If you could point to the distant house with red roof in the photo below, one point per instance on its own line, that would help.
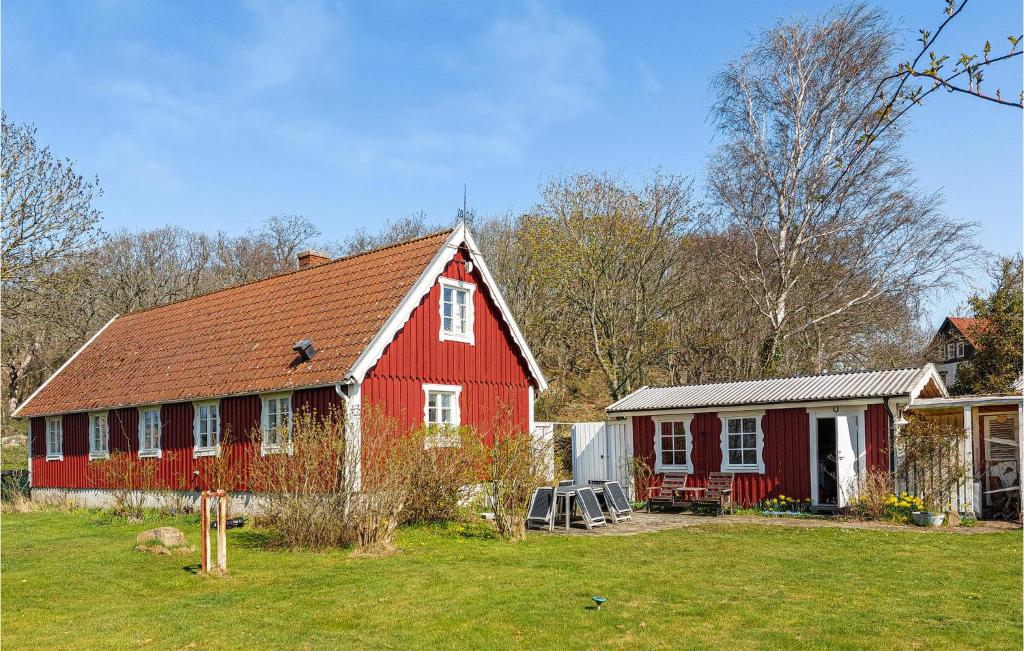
(954, 343)
(418, 329)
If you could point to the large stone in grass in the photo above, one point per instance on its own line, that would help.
(166, 536)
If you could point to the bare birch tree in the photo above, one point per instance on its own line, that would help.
(823, 237)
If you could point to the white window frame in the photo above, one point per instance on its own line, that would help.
(759, 442)
(212, 450)
(659, 466)
(53, 454)
(959, 350)
(441, 439)
(150, 452)
(275, 448)
(951, 350)
(470, 289)
(99, 452)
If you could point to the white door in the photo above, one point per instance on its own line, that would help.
(849, 455)
(589, 452)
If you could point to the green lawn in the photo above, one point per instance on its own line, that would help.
(70, 581)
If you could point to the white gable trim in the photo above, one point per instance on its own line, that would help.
(63, 366)
(373, 351)
(929, 373)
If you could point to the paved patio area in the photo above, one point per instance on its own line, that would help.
(647, 522)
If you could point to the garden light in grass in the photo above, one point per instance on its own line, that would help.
(600, 601)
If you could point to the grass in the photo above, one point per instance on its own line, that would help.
(71, 580)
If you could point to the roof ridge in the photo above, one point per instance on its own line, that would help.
(289, 272)
(786, 377)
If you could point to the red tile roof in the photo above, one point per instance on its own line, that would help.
(969, 327)
(239, 340)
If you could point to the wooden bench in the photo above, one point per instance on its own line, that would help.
(668, 492)
(718, 494)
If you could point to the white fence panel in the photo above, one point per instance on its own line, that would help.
(600, 451)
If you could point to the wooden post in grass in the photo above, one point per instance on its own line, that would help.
(204, 525)
(222, 530)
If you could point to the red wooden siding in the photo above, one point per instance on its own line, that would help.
(876, 437)
(175, 469)
(786, 454)
(491, 372)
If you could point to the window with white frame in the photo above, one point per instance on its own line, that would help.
(951, 350)
(54, 439)
(206, 428)
(673, 445)
(277, 422)
(149, 432)
(99, 435)
(441, 413)
(456, 310)
(742, 443)
(959, 349)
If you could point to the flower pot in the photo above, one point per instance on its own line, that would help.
(926, 519)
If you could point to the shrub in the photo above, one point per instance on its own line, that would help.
(931, 459)
(518, 463)
(641, 475)
(871, 493)
(128, 478)
(440, 474)
(307, 488)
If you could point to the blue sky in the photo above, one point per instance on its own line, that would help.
(214, 115)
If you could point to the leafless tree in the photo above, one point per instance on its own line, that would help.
(394, 231)
(822, 238)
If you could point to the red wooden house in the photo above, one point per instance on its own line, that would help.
(418, 329)
(803, 437)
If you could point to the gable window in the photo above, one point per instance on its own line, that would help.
(441, 413)
(149, 432)
(456, 310)
(951, 350)
(277, 422)
(742, 443)
(673, 445)
(206, 429)
(959, 350)
(54, 439)
(99, 436)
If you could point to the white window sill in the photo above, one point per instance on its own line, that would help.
(93, 456)
(55, 457)
(205, 452)
(464, 339)
(757, 470)
(149, 454)
(664, 469)
(275, 449)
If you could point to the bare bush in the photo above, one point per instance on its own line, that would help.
(128, 479)
(440, 474)
(518, 464)
(641, 474)
(931, 459)
(871, 494)
(307, 486)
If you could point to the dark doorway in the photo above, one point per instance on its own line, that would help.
(828, 485)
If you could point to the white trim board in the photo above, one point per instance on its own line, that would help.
(63, 366)
(460, 235)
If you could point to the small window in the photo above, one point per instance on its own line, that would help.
(951, 350)
(441, 413)
(277, 422)
(54, 439)
(673, 443)
(742, 441)
(149, 432)
(99, 436)
(456, 310)
(206, 429)
(959, 350)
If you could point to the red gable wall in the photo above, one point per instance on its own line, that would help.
(491, 372)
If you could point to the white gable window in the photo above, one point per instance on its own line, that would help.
(742, 442)
(54, 439)
(673, 444)
(149, 432)
(456, 310)
(277, 422)
(959, 349)
(441, 413)
(99, 435)
(206, 429)
(951, 350)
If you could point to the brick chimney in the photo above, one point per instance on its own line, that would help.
(311, 258)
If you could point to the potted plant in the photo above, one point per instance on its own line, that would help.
(931, 516)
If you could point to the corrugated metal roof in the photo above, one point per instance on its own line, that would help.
(836, 386)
